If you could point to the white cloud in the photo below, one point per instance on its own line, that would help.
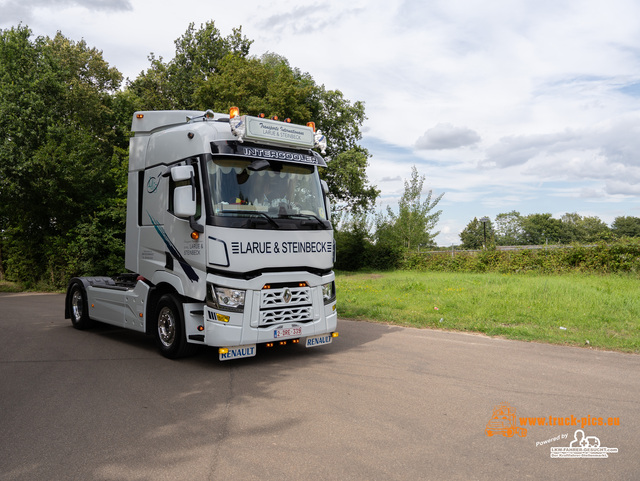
(446, 136)
(16, 11)
(391, 179)
(518, 150)
(608, 152)
(617, 187)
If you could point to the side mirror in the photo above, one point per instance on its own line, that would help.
(182, 172)
(184, 196)
(327, 204)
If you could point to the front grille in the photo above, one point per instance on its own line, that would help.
(287, 304)
(277, 316)
(285, 297)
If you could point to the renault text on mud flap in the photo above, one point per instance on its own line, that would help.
(318, 340)
(237, 352)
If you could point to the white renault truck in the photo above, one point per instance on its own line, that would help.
(228, 238)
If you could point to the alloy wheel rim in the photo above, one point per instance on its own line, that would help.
(76, 305)
(166, 327)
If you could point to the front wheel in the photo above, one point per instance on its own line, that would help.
(78, 308)
(170, 333)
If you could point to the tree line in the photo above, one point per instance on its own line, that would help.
(65, 116)
(514, 229)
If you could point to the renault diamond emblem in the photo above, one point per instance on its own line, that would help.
(287, 296)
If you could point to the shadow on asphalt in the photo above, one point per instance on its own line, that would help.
(154, 413)
(353, 335)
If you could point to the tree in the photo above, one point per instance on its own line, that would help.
(353, 242)
(348, 186)
(626, 226)
(541, 229)
(267, 85)
(582, 229)
(571, 231)
(508, 229)
(173, 85)
(473, 236)
(594, 229)
(413, 225)
(58, 147)
(340, 120)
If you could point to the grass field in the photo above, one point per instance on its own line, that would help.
(601, 312)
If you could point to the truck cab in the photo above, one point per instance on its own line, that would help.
(229, 241)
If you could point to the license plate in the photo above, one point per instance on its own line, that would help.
(238, 352)
(287, 332)
(318, 340)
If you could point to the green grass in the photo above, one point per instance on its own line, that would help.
(560, 309)
(6, 286)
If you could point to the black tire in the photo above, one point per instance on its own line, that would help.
(169, 329)
(78, 307)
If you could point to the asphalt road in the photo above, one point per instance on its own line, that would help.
(381, 402)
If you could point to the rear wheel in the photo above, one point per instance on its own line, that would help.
(170, 333)
(78, 307)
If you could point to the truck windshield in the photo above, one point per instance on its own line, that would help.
(279, 195)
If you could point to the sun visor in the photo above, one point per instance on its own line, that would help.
(307, 157)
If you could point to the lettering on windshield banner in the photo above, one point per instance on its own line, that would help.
(273, 154)
(259, 129)
(282, 132)
(287, 247)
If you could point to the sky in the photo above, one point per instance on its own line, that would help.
(502, 105)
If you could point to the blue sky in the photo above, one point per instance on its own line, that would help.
(503, 105)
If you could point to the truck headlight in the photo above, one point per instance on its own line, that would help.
(225, 298)
(329, 292)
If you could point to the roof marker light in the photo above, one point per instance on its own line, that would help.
(139, 116)
(234, 112)
(312, 125)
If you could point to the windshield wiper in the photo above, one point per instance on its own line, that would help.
(254, 213)
(307, 216)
